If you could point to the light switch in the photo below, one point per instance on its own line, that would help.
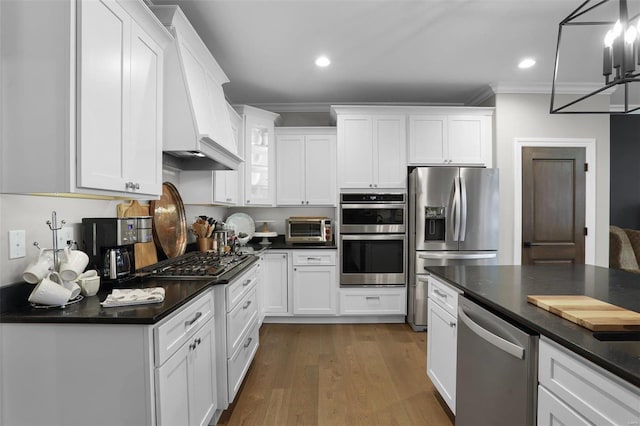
(17, 244)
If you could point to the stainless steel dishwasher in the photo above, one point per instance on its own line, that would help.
(496, 370)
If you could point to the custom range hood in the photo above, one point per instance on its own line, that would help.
(197, 128)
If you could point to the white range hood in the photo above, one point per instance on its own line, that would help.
(197, 127)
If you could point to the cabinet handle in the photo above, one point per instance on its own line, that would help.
(314, 258)
(284, 256)
(246, 345)
(246, 283)
(248, 201)
(307, 202)
(375, 185)
(246, 305)
(370, 185)
(372, 297)
(452, 324)
(137, 185)
(440, 293)
(192, 346)
(301, 202)
(190, 323)
(229, 199)
(198, 341)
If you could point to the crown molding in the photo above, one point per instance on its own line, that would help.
(545, 88)
(295, 107)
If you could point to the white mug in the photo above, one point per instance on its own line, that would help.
(50, 292)
(89, 285)
(38, 268)
(73, 264)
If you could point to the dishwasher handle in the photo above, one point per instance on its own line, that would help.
(497, 341)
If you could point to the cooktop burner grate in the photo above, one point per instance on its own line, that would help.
(194, 264)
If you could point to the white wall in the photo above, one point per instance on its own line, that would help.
(527, 116)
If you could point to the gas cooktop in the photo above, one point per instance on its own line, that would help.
(194, 265)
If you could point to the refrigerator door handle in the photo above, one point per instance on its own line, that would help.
(455, 210)
(495, 340)
(437, 255)
(463, 209)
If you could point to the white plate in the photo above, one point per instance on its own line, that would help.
(241, 222)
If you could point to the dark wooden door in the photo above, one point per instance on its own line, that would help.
(553, 205)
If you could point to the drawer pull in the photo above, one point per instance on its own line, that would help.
(440, 293)
(314, 258)
(246, 283)
(190, 323)
(452, 324)
(198, 341)
(246, 305)
(372, 297)
(246, 345)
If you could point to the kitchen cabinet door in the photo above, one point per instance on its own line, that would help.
(390, 140)
(291, 170)
(320, 170)
(356, 156)
(143, 157)
(104, 96)
(276, 283)
(173, 389)
(441, 352)
(202, 377)
(314, 290)
(427, 139)
(469, 140)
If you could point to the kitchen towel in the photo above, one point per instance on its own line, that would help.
(125, 297)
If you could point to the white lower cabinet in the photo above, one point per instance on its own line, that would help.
(575, 389)
(373, 301)
(186, 382)
(314, 282)
(112, 374)
(237, 331)
(442, 335)
(276, 283)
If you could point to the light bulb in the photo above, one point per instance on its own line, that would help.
(322, 61)
(630, 35)
(527, 63)
(608, 39)
(617, 29)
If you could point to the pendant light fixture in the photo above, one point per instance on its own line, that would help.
(600, 42)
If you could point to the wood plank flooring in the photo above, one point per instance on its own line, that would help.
(345, 374)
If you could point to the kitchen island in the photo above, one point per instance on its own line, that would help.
(575, 365)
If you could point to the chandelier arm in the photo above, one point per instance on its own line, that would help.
(555, 69)
(582, 98)
(574, 14)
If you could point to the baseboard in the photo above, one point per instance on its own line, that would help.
(365, 319)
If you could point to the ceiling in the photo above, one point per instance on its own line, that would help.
(382, 51)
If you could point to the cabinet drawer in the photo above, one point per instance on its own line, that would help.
(240, 287)
(552, 411)
(326, 257)
(587, 388)
(239, 320)
(444, 295)
(373, 302)
(170, 334)
(239, 363)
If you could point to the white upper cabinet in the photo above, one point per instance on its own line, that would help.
(87, 98)
(460, 136)
(259, 153)
(371, 150)
(306, 166)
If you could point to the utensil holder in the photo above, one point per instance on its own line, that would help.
(204, 244)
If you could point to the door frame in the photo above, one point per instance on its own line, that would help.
(590, 190)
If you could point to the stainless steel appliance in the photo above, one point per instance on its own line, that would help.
(373, 247)
(453, 220)
(109, 243)
(308, 229)
(194, 265)
(496, 371)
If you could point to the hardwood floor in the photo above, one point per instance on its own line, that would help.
(346, 374)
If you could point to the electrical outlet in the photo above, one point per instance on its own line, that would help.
(17, 242)
(65, 234)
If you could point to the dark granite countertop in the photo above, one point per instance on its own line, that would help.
(16, 309)
(504, 290)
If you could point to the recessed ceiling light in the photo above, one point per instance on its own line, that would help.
(322, 61)
(527, 63)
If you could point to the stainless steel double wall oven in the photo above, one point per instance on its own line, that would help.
(373, 247)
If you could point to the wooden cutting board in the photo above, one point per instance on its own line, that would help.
(145, 254)
(588, 312)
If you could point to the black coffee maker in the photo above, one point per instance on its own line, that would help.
(109, 243)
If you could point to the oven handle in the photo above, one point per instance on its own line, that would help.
(369, 237)
(372, 206)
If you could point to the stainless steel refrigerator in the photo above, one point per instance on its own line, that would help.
(453, 220)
